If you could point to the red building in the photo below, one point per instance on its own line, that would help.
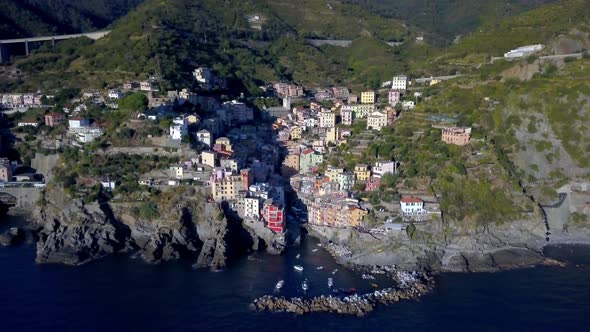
(372, 184)
(274, 215)
(53, 119)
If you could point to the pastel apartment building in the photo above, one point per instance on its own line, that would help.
(384, 167)
(53, 119)
(327, 119)
(308, 159)
(412, 206)
(346, 116)
(399, 83)
(457, 136)
(5, 170)
(376, 121)
(362, 172)
(178, 129)
(394, 96)
(274, 216)
(368, 97)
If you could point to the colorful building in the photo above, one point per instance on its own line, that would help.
(274, 216)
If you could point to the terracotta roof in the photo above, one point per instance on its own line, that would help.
(307, 151)
(411, 199)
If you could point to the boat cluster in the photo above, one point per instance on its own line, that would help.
(359, 305)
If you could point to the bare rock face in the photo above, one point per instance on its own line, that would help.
(73, 233)
(79, 234)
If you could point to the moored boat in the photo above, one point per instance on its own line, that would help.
(319, 268)
(330, 282)
(304, 285)
(334, 272)
(345, 291)
(280, 284)
(298, 268)
(298, 256)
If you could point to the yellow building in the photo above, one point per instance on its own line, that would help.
(332, 172)
(332, 135)
(368, 97)
(225, 143)
(227, 188)
(192, 119)
(362, 172)
(356, 216)
(296, 133)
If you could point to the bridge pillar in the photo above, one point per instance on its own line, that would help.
(3, 53)
(27, 47)
(53, 42)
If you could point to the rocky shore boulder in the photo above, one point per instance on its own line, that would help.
(12, 237)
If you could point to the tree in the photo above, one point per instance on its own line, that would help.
(135, 102)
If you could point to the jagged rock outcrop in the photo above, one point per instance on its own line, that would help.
(188, 227)
(79, 234)
(502, 246)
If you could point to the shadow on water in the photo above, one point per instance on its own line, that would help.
(569, 253)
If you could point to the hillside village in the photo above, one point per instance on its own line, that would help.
(269, 172)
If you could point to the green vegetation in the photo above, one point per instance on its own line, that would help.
(26, 18)
(446, 19)
(80, 171)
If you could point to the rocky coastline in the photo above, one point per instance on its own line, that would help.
(71, 232)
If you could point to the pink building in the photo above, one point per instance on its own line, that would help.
(53, 119)
(373, 184)
(394, 97)
(457, 136)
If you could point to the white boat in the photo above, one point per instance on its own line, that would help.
(334, 272)
(280, 284)
(304, 285)
(298, 256)
(298, 268)
(330, 282)
(314, 250)
(319, 244)
(319, 268)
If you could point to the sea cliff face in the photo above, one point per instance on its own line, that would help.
(433, 247)
(188, 227)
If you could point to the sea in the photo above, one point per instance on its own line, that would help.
(124, 294)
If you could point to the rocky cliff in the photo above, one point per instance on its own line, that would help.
(188, 227)
(451, 249)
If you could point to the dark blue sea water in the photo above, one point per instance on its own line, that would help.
(121, 294)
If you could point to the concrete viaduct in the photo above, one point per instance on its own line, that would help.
(4, 56)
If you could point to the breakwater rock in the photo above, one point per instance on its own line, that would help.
(358, 305)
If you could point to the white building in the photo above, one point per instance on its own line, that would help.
(327, 119)
(28, 124)
(408, 105)
(115, 94)
(383, 167)
(204, 136)
(108, 184)
(202, 75)
(78, 122)
(399, 82)
(251, 206)
(523, 51)
(145, 86)
(377, 120)
(178, 129)
(346, 116)
(178, 172)
(412, 206)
